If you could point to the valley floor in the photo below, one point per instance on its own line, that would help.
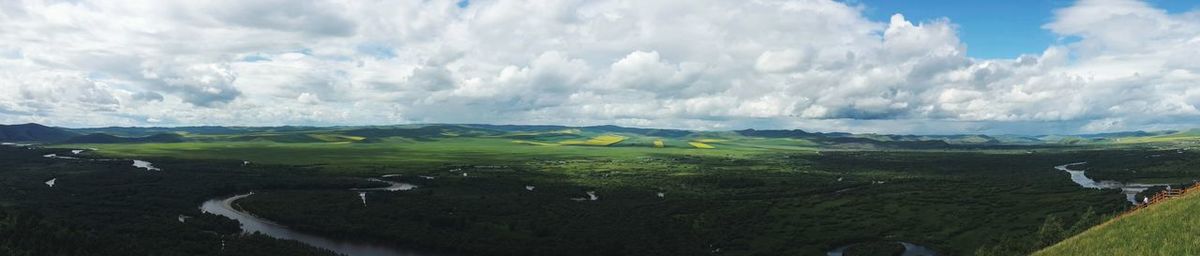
(488, 196)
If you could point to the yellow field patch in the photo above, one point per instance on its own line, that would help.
(602, 140)
(708, 140)
(698, 144)
(336, 137)
(659, 143)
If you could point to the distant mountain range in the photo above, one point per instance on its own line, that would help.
(34, 133)
(44, 134)
(107, 138)
(37, 133)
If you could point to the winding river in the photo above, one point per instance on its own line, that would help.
(227, 206)
(1129, 189)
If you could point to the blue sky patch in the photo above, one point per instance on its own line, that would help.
(377, 50)
(993, 29)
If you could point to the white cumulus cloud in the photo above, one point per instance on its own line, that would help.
(810, 64)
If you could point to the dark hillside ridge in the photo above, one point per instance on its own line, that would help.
(670, 133)
(906, 141)
(424, 132)
(642, 131)
(33, 133)
(1124, 134)
(101, 138)
(797, 133)
(520, 128)
(915, 144)
(201, 130)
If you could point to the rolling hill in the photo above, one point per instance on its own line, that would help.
(554, 134)
(33, 133)
(101, 138)
(1167, 228)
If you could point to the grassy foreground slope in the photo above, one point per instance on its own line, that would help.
(1167, 228)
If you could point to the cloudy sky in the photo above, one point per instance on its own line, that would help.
(858, 66)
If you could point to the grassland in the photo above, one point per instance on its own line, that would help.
(701, 145)
(1191, 135)
(352, 157)
(534, 143)
(337, 138)
(602, 140)
(1167, 228)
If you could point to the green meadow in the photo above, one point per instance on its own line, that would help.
(355, 157)
(1166, 228)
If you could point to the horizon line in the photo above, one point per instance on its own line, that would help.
(613, 125)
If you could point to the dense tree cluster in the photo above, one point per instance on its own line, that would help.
(110, 208)
(769, 204)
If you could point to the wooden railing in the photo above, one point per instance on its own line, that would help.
(1163, 196)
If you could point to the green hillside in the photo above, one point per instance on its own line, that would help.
(101, 138)
(33, 133)
(1167, 228)
(554, 135)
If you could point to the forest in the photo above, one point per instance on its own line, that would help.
(111, 208)
(957, 202)
(533, 190)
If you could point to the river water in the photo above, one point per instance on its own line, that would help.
(392, 186)
(251, 224)
(1078, 176)
(1129, 189)
(226, 206)
(145, 165)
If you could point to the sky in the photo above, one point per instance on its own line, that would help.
(879, 66)
(990, 29)
(995, 29)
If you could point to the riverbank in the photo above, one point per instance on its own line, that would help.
(1130, 190)
(227, 207)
